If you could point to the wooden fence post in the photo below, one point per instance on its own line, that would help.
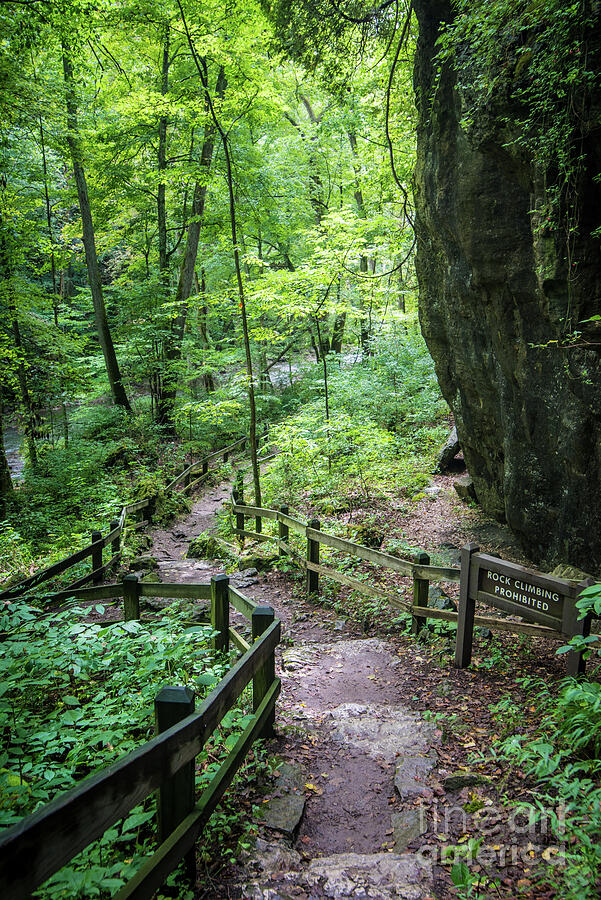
(96, 556)
(205, 467)
(150, 509)
(261, 619)
(240, 516)
(467, 610)
(116, 542)
(131, 598)
(420, 593)
(176, 795)
(283, 532)
(220, 612)
(313, 557)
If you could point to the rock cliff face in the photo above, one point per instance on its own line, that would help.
(493, 285)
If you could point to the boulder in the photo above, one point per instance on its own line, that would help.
(570, 573)
(449, 451)
(437, 599)
(407, 825)
(485, 634)
(465, 488)
(284, 811)
(257, 560)
(204, 546)
(369, 535)
(500, 295)
(144, 563)
(459, 780)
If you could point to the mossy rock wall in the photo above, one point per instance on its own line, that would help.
(493, 288)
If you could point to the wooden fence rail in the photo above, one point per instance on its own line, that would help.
(419, 569)
(117, 531)
(39, 845)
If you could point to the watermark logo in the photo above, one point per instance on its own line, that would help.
(529, 835)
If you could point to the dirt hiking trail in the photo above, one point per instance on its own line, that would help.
(346, 802)
(349, 810)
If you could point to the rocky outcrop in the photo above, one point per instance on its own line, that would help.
(448, 452)
(495, 304)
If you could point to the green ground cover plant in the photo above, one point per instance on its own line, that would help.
(562, 758)
(357, 450)
(74, 697)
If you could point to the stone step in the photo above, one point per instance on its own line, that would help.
(381, 876)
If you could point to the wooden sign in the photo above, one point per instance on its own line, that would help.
(536, 597)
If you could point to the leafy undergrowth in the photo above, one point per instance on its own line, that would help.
(81, 487)
(560, 754)
(74, 697)
(359, 450)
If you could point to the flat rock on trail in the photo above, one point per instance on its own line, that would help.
(347, 802)
(169, 547)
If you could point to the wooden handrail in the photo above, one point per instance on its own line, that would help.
(45, 574)
(205, 459)
(33, 849)
(165, 589)
(152, 874)
(74, 558)
(240, 602)
(134, 507)
(377, 557)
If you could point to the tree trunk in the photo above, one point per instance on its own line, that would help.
(232, 207)
(203, 331)
(6, 274)
(6, 484)
(339, 325)
(89, 242)
(162, 164)
(173, 350)
(363, 262)
(338, 333)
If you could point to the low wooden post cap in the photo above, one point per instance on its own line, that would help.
(220, 578)
(261, 618)
(175, 694)
(259, 611)
(130, 578)
(422, 558)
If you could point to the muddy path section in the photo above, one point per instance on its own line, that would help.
(355, 758)
(169, 546)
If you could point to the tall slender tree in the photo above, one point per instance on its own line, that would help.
(173, 350)
(89, 238)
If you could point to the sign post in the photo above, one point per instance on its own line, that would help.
(514, 589)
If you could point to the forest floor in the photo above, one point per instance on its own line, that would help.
(385, 772)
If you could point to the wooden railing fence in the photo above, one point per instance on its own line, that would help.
(39, 845)
(186, 481)
(418, 569)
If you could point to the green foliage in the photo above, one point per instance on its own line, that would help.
(75, 696)
(365, 446)
(536, 64)
(588, 603)
(563, 759)
(15, 554)
(204, 546)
